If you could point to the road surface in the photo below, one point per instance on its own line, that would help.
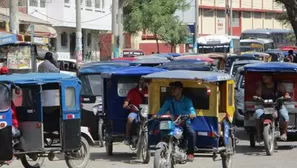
(285, 157)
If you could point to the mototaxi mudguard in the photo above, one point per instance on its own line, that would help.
(161, 144)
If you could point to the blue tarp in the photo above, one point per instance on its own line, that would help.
(99, 67)
(31, 78)
(271, 67)
(7, 38)
(194, 66)
(131, 71)
(191, 75)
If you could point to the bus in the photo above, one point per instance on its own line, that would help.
(258, 45)
(278, 36)
(219, 44)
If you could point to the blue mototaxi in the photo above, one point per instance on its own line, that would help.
(45, 129)
(284, 73)
(116, 84)
(212, 94)
(91, 97)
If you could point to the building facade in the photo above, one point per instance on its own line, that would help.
(247, 14)
(95, 17)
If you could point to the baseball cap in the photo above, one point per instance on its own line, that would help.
(4, 70)
(177, 84)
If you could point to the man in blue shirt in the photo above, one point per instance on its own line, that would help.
(179, 105)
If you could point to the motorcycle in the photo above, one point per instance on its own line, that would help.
(100, 114)
(172, 147)
(270, 126)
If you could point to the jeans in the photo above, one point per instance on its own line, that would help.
(190, 135)
(283, 112)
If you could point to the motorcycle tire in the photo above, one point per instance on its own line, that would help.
(160, 156)
(268, 136)
(85, 160)
(101, 132)
(145, 153)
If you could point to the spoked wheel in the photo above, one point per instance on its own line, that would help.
(80, 158)
(145, 153)
(33, 161)
(227, 156)
(160, 159)
(268, 136)
(101, 132)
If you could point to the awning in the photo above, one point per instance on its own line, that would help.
(4, 18)
(7, 38)
(42, 31)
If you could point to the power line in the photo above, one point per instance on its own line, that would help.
(69, 21)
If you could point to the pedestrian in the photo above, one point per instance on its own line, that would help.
(49, 64)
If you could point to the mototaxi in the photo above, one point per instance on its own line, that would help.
(44, 130)
(212, 94)
(92, 114)
(284, 73)
(116, 85)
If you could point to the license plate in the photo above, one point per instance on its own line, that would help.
(269, 110)
(165, 125)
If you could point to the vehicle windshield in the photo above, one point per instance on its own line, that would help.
(91, 85)
(235, 68)
(247, 49)
(5, 98)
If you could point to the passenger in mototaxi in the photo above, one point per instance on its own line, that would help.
(178, 105)
(136, 96)
(270, 89)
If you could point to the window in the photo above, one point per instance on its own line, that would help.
(230, 94)
(91, 85)
(246, 14)
(33, 3)
(97, 3)
(64, 39)
(42, 3)
(70, 98)
(66, 1)
(257, 15)
(5, 98)
(199, 96)
(235, 19)
(89, 3)
(125, 85)
(89, 39)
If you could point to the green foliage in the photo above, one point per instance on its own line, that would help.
(174, 32)
(151, 15)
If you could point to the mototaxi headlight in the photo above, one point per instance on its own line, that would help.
(144, 112)
(165, 125)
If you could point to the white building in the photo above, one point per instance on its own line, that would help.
(95, 16)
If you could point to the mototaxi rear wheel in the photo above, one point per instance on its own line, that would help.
(84, 155)
(37, 161)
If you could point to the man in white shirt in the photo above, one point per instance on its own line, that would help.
(48, 66)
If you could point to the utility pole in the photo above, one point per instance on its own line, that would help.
(13, 14)
(231, 18)
(115, 33)
(78, 47)
(227, 17)
(197, 11)
(120, 28)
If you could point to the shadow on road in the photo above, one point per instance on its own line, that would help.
(123, 157)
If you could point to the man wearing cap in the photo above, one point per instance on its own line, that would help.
(180, 105)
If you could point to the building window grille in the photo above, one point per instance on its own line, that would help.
(33, 3)
(42, 3)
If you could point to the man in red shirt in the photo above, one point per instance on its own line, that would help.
(136, 96)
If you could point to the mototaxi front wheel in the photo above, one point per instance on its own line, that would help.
(227, 156)
(37, 162)
(145, 153)
(268, 136)
(83, 155)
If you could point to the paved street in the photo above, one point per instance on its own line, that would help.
(245, 157)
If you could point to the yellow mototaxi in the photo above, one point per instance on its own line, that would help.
(260, 55)
(212, 94)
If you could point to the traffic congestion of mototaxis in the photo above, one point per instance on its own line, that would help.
(165, 108)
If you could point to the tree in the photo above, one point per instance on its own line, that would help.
(150, 15)
(291, 14)
(174, 32)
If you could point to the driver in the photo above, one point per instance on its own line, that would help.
(269, 89)
(136, 96)
(179, 105)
